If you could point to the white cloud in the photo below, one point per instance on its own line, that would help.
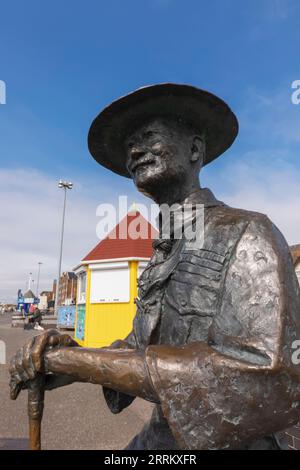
(30, 220)
(267, 179)
(264, 181)
(31, 206)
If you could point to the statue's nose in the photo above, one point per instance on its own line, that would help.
(137, 152)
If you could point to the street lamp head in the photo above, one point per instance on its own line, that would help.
(65, 184)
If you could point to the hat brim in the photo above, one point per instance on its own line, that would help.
(205, 112)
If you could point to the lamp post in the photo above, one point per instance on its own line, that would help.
(63, 185)
(38, 279)
(29, 281)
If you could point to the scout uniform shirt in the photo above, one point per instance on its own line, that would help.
(236, 294)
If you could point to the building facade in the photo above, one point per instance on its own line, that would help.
(45, 298)
(67, 289)
(107, 284)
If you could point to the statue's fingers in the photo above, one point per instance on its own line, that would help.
(15, 388)
(66, 340)
(19, 366)
(53, 341)
(72, 342)
(12, 366)
(15, 363)
(27, 359)
(52, 332)
(40, 343)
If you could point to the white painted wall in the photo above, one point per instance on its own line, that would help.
(43, 303)
(141, 266)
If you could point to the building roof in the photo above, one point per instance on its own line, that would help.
(69, 274)
(295, 251)
(119, 244)
(29, 294)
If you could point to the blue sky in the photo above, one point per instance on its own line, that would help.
(63, 61)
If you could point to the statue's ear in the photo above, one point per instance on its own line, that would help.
(197, 149)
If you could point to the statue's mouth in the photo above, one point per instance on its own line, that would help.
(142, 163)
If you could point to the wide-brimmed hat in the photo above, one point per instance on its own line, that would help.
(203, 111)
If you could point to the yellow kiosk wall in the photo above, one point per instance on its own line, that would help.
(106, 322)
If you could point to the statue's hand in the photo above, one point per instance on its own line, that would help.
(29, 360)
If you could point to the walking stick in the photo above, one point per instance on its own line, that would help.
(36, 391)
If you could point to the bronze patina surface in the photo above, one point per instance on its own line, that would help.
(212, 339)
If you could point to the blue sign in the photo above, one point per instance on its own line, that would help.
(66, 316)
(80, 323)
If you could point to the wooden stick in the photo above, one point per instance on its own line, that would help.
(36, 391)
(34, 434)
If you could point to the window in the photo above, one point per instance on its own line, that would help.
(110, 284)
(81, 287)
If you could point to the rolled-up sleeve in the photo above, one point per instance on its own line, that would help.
(117, 401)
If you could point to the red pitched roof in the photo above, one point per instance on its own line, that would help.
(119, 243)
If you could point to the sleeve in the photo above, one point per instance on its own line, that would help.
(117, 401)
(240, 385)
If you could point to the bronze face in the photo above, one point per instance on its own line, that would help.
(162, 156)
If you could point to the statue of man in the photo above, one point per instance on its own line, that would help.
(212, 340)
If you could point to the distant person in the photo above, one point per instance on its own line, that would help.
(34, 321)
(37, 319)
(31, 308)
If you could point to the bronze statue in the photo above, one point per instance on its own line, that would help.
(212, 339)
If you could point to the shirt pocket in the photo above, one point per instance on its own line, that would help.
(195, 284)
(202, 264)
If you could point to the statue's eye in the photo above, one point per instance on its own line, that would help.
(150, 134)
(130, 145)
